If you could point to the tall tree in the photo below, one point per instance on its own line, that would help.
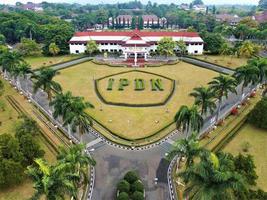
(77, 159)
(44, 80)
(187, 147)
(55, 182)
(182, 46)
(247, 49)
(225, 50)
(188, 119)
(91, 47)
(77, 117)
(166, 46)
(21, 70)
(10, 60)
(246, 75)
(54, 49)
(221, 86)
(204, 98)
(261, 64)
(214, 177)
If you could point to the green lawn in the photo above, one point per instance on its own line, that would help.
(43, 61)
(129, 122)
(9, 117)
(257, 138)
(228, 61)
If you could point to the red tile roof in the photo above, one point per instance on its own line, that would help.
(262, 17)
(140, 33)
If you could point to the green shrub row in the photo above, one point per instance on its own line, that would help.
(130, 187)
(133, 105)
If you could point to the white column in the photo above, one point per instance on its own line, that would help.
(135, 58)
(145, 56)
(125, 56)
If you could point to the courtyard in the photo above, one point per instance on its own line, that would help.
(133, 123)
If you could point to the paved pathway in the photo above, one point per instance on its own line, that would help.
(113, 162)
(207, 65)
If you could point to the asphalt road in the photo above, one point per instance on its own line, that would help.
(113, 162)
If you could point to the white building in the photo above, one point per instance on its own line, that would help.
(135, 43)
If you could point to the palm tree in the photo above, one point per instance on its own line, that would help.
(44, 80)
(225, 50)
(214, 177)
(221, 86)
(182, 46)
(10, 60)
(77, 159)
(247, 49)
(54, 182)
(188, 118)
(187, 147)
(53, 49)
(77, 116)
(204, 98)
(21, 70)
(246, 75)
(261, 64)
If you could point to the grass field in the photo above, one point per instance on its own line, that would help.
(128, 122)
(227, 61)
(9, 117)
(257, 139)
(42, 61)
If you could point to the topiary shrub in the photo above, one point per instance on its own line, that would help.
(123, 186)
(131, 177)
(137, 186)
(138, 196)
(258, 116)
(123, 196)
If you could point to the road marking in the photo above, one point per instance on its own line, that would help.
(170, 141)
(94, 142)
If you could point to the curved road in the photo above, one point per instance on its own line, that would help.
(113, 162)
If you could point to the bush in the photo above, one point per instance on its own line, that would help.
(258, 116)
(137, 186)
(246, 167)
(131, 177)
(123, 186)
(123, 196)
(138, 196)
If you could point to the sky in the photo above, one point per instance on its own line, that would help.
(143, 1)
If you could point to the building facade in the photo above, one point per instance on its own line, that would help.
(135, 43)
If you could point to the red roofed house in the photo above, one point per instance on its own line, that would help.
(153, 21)
(134, 43)
(261, 18)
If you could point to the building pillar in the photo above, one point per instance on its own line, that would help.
(125, 56)
(145, 56)
(135, 58)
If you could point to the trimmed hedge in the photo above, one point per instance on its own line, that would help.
(131, 177)
(129, 104)
(123, 186)
(138, 196)
(123, 196)
(130, 187)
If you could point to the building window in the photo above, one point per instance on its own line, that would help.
(106, 43)
(196, 51)
(77, 51)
